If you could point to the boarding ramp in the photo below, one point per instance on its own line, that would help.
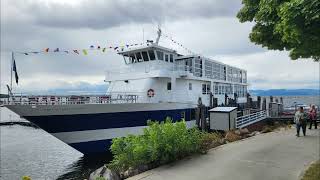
(246, 120)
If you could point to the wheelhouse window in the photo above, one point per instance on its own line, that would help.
(171, 57)
(151, 55)
(167, 57)
(169, 86)
(132, 58)
(160, 55)
(139, 57)
(145, 56)
(190, 86)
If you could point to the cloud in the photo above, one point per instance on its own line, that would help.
(99, 14)
(207, 27)
(275, 70)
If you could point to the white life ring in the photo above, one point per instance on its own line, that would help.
(150, 93)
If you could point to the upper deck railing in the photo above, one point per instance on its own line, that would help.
(149, 67)
(111, 98)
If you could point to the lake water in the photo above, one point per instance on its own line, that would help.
(36, 153)
(33, 152)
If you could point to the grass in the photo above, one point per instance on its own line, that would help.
(313, 172)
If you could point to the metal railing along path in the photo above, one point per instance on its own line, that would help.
(246, 120)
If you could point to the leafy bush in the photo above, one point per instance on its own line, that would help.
(100, 178)
(232, 136)
(210, 140)
(26, 178)
(160, 143)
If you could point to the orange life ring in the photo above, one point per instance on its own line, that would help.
(150, 93)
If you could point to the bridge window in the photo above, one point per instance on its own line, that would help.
(160, 55)
(171, 57)
(145, 56)
(132, 58)
(139, 57)
(167, 57)
(151, 55)
(169, 86)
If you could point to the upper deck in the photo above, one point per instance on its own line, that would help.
(153, 60)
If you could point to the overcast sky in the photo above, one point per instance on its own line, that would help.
(208, 27)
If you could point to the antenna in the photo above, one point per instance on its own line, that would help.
(159, 34)
(142, 35)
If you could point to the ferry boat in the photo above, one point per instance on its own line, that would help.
(156, 83)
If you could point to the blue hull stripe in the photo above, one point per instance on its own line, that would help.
(81, 122)
(92, 147)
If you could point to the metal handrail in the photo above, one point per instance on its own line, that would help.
(112, 98)
(250, 118)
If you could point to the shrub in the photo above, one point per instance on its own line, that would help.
(26, 178)
(100, 178)
(267, 129)
(232, 136)
(160, 143)
(210, 140)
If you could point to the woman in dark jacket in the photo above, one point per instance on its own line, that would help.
(313, 116)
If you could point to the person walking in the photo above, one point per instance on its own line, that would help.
(313, 116)
(300, 120)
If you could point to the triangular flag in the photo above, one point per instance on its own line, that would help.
(85, 52)
(76, 51)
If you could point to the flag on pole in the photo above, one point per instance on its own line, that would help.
(14, 69)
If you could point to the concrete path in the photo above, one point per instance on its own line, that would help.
(278, 156)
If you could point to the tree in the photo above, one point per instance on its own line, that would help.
(292, 25)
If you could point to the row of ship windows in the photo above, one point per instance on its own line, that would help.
(218, 89)
(150, 55)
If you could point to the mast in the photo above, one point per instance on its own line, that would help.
(159, 34)
(12, 57)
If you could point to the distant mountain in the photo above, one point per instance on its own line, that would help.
(79, 89)
(286, 92)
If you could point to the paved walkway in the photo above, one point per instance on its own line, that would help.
(277, 155)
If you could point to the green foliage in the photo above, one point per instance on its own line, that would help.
(209, 140)
(312, 172)
(160, 143)
(26, 178)
(292, 25)
(100, 178)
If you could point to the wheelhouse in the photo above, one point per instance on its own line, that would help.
(148, 53)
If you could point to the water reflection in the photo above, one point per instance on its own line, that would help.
(82, 168)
